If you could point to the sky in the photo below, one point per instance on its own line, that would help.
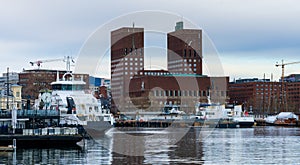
(250, 36)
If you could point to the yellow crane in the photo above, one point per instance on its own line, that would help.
(282, 79)
(282, 66)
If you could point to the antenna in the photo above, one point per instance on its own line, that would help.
(133, 44)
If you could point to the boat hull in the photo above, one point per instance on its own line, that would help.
(97, 129)
(40, 140)
(245, 124)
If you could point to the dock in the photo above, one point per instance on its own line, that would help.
(8, 148)
(152, 123)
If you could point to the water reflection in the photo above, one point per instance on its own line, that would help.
(260, 145)
(272, 145)
(157, 146)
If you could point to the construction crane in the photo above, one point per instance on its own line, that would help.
(66, 59)
(282, 81)
(282, 66)
(39, 62)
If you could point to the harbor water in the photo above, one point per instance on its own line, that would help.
(258, 145)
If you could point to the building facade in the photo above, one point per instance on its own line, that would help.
(265, 97)
(13, 100)
(185, 51)
(155, 89)
(183, 84)
(127, 59)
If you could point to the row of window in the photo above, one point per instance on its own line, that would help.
(132, 73)
(133, 51)
(131, 68)
(268, 85)
(131, 59)
(266, 89)
(175, 93)
(189, 53)
(184, 60)
(131, 63)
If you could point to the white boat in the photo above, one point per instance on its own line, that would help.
(209, 111)
(75, 105)
(282, 119)
(242, 118)
(214, 115)
(229, 116)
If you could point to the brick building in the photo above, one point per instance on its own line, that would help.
(265, 97)
(293, 96)
(32, 81)
(127, 58)
(185, 51)
(134, 88)
(156, 88)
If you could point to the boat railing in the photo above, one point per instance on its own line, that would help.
(29, 113)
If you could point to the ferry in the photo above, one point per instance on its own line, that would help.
(24, 129)
(223, 116)
(75, 105)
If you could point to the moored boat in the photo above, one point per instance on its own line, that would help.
(242, 118)
(286, 119)
(75, 105)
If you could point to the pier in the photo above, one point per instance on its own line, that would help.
(152, 123)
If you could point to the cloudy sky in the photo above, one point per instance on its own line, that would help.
(249, 35)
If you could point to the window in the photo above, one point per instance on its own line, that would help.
(190, 52)
(195, 53)
(18, 94)
(184, 53)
